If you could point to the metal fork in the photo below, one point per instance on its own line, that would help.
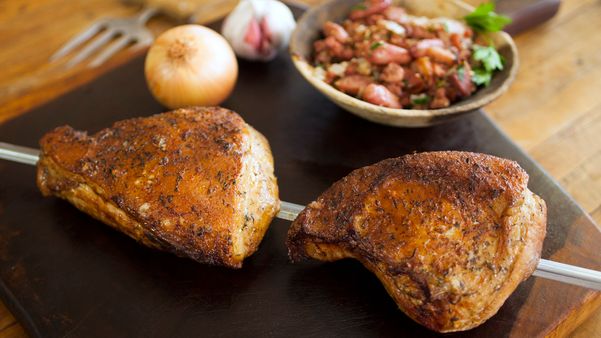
(125, 31)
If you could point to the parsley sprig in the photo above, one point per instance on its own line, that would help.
(376, 45)
(359, 7)
(486, 59)
(484, 19)
(488, 56)
(489, 60)
(420, 99)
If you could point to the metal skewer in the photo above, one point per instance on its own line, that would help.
(561, 272)
(19, 154)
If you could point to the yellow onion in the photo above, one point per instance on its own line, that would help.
(190, 65)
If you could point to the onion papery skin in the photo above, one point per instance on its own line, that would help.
(190, 65)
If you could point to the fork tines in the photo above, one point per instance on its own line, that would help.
(124, 32)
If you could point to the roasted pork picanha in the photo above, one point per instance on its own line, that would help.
(449, 234)
(196, 182)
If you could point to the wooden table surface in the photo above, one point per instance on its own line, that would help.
(553, 109)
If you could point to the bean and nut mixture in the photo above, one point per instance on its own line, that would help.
(385, 56)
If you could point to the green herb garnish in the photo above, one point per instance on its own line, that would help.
(461, 72)
(489, 60)
(420, 100)
(441, 83)
(488, 56)
(481, 77)
(484, 19)
(376, 45)
(359, 7)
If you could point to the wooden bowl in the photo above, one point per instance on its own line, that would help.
(308, 30)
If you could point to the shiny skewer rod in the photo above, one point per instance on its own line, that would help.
(561, 272)
(19, 154)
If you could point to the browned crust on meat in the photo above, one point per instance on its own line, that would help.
(168, 181)
(449, 234)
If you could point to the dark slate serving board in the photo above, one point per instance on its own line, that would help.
(64, 274)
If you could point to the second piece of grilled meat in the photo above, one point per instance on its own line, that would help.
(449, 234)
(197, 182)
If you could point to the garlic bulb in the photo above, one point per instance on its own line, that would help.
(258, 29)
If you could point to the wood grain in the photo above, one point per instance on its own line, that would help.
(553, 110)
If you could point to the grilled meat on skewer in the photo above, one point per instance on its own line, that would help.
(449, 234)
(197, 182)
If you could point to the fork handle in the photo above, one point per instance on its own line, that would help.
(192, 11)
(146, 14)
